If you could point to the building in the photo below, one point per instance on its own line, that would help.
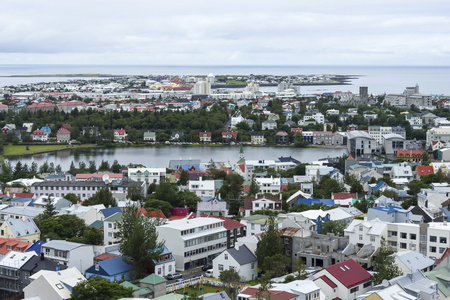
(69, 254)
(194, 242)
(63, 135)
(411, 155)
(205, 137)
(120, 134)
(55, 285)
(261, 202)
(410, 97)
(392, 143)
(323, 137)
(114, 269)
(150, 136)
(257, 138)
(147, 175)
(360, 143)
(229, 136)
(269, 125)
(241, 259)
(23, 228)
(202, 88)
(411, 261)
(344, 280)
(39, 136)
(438, 134)
(203, 188)
(361, 232)
(111, 229)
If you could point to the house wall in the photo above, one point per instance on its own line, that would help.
(110, 233)
(166, 268)
(396, 233)
(245, 271)
(40, 287)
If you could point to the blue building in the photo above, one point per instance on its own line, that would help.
(113, 269)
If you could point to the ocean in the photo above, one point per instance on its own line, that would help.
(379, 79)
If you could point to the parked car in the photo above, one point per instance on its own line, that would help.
(174, 276)
(209, 273)
(206, 267)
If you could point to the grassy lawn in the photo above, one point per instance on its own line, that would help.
(196, 290)
(22, 149)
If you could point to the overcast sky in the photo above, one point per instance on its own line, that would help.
(244, 32)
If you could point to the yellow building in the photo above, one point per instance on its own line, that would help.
(23, 228)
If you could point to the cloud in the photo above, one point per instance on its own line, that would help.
(231, 32)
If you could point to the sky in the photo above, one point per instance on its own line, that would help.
(244, 32)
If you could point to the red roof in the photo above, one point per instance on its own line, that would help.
(444, 255)
(204, 134)
(11, 244)
(409, 153)
(20, 195)
(328, 281)
(282, 133)
(349, 273)
(72, 103)
(63, 131)
(38, 132)
(274, 295)
(297, 130)
(105, 256)
(424, 170)
(157, 214)
(341, 196)
(232, 133)
(120, 131)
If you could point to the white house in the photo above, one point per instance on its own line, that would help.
(69, 254)
(194, 242)
(202, 188)
(53, 284)
(403, 236)
(149, 175)
(269, 185)
(241, 259)
(411, 261)
(111, 229)
(362, 232)
(438, 239)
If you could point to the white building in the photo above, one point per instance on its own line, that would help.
(441, 134)
(362, 232)
(318, 117)
(403, 236)
(269, 185)
(202, 88)
(241, 259)
(69, 254)
(194, 242)
(251, 165)
(202, 188)
(149, 175)
(111, 229)
(438, 239)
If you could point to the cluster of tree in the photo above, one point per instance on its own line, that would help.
(92, 168)
(100, 289)
(66, 227)
(326, 186)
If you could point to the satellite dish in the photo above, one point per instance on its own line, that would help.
(105, 178)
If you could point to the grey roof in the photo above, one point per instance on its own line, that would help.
(215, 296)
(415, 282)
(358, 134)
(21, 227)
(62, 245)
(414, 260)
(23, 211)
(243, 255)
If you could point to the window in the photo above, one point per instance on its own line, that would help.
(367, 284)
(433, 238)
(360, 228)
(402, 245)
(253, 266)
(360, 237)
(403, 235)
(372, 239)
(412, 236)
(226, 256)
(433, 249)
(354, 290)
(442, 240)
(170, 268)
(220, 267)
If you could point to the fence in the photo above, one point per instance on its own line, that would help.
(190, 282)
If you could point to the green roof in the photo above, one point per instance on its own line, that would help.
(149, 134)
(145, 291)
(441, 276)
(115, 217)
(128, 284)
(171, 296)
(97, 224)
(153, 279)
(241, 161)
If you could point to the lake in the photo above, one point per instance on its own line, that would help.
(159, 156)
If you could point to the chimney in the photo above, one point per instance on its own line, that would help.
(42, 255)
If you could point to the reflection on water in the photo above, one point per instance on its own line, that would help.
(160, 156)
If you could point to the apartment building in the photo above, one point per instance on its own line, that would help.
(194, 242)
(149, 175)
(69, 254)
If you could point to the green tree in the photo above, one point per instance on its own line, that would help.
(270, 244)
(103, 196)
(384, 264)
(184, 177)
(232, 281)
(155, 204)
(62, 227)
(92, 236)
(92, 166)
(50, 209)
(254, 188)
(100, 289)
(277, 264)
(299, 269)
(135, 193)
(72, 198)
(336, 227)
(139, 240)
(116, 167)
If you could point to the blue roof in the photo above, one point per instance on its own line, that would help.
(111, 267)
(389, 209)
(22, 200)
(189, 166)
(36, 247)
(310, 201)
(379, 185)
(108, 212)
(46, 129)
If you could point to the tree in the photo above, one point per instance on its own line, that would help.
(155, 204)
(135, 192)
(61, 227)
(92, 236)
(384, 264)
(100, 289)
(276, 264)
(232, 281)
(299, 269)
(337, 227)
(103, 196)
(92, 166)
(50, 209)
(116, 167)
(254, 188)
(270, 244)
(72, 198)
(139, 240)
(184, 177)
